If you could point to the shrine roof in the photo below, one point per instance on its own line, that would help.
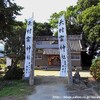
(75, 46)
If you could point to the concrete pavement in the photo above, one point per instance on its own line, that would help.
(49, 86)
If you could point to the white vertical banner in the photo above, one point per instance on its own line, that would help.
(62, 40)
(28, 47)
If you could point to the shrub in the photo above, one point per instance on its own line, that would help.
(0, 68)
(95, 68)
(13, 73)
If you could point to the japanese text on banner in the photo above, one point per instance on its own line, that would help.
(28, 47)
(62, 40)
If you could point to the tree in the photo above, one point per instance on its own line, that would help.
(84, 4)
(9, 27)
(71, 20)
(42, 29)
(15, 44)
(53, 21)
(83, 18)
(8, 12)
(73, 27)
(90, 20)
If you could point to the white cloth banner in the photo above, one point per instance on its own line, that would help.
(28, 47)
(62, 40)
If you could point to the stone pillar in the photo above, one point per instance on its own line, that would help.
(70, 78)
(31, 78)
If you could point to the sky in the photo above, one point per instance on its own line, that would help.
(42, 9)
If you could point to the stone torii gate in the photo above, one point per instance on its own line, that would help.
(50, 46)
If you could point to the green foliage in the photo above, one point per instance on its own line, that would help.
(84, 4)
(90, 19)
(54, 19)
(13, 73)
(42, 29)
(18, 88)
(95, 68)
(71, 22)
(10, 29)
(15, 44)
(8, 12)
(73, 27)
(83, 18)
(0, 68)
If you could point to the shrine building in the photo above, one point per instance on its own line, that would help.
(48, 56)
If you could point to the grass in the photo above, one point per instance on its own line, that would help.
(15, 88)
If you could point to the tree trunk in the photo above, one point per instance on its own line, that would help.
(15, 61)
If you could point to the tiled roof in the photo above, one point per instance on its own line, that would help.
(75, 46)
(51, 51)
